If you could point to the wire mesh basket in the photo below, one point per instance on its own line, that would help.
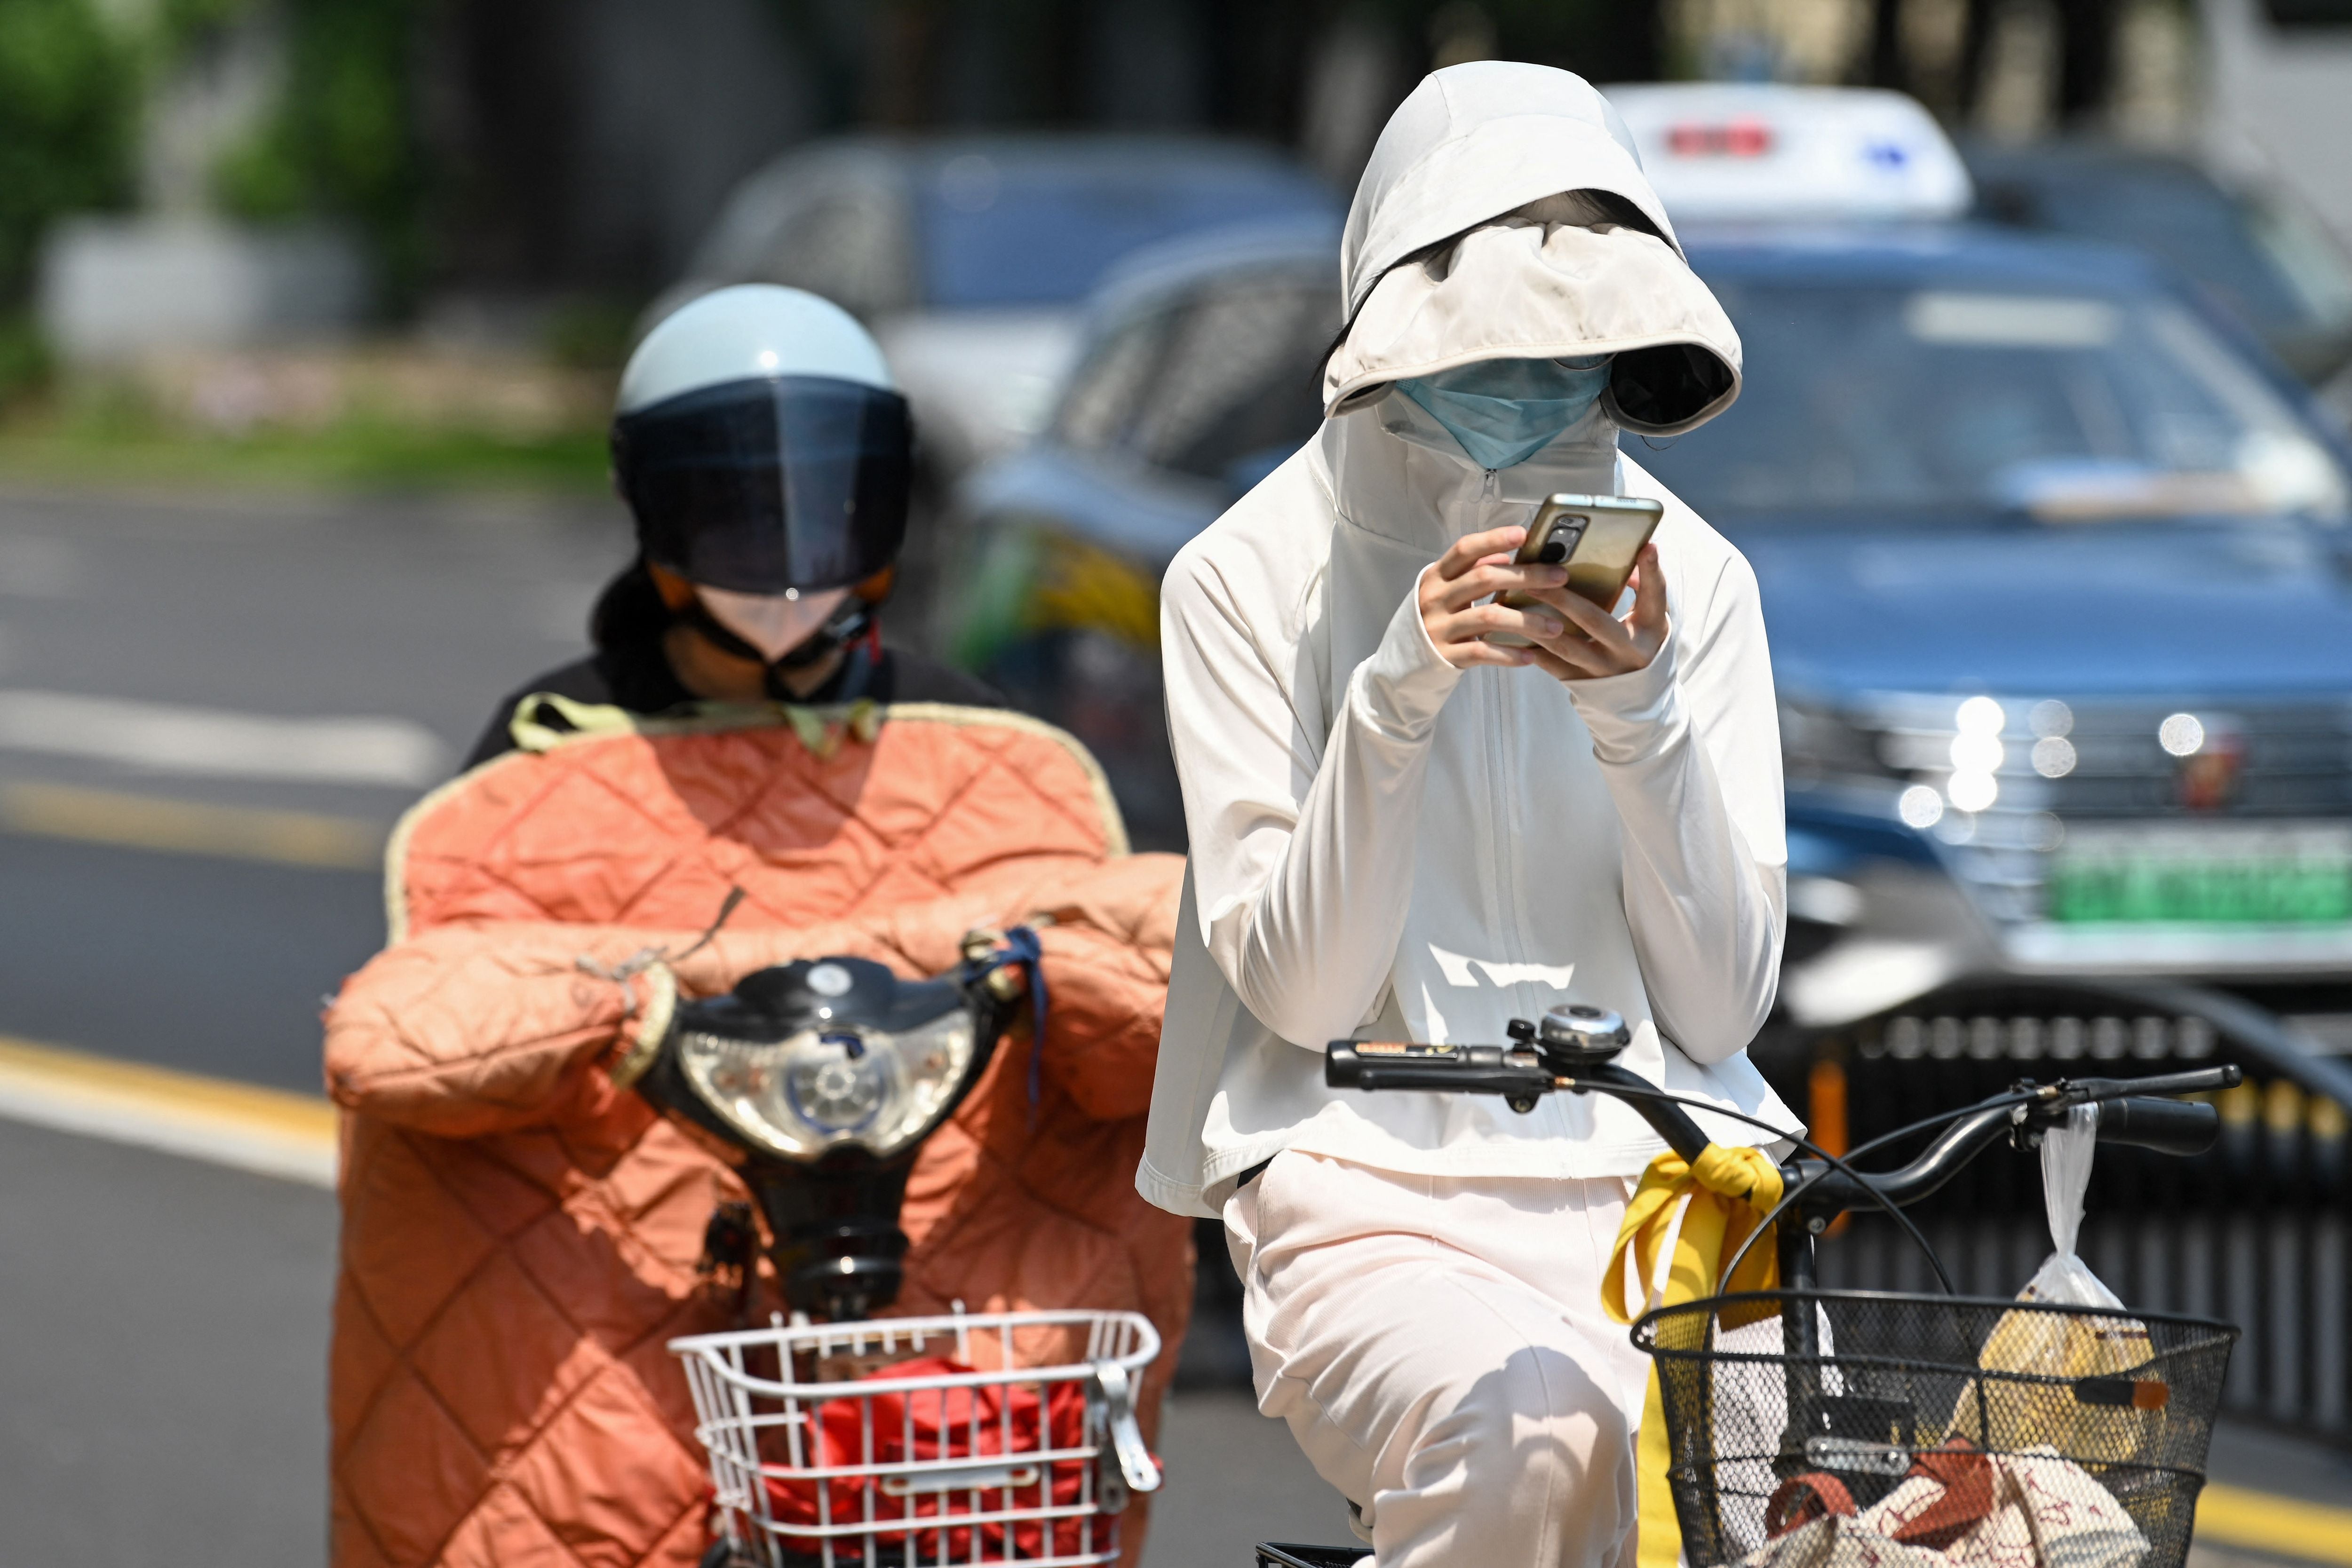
(983, 1437)
(2034, 1433)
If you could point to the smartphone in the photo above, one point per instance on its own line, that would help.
(1598, 537)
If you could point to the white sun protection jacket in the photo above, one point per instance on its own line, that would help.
(1384, 845)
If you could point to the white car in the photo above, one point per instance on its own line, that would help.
(969, 255)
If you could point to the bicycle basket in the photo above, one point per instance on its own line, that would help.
(2099, 1466)
(982, 1438)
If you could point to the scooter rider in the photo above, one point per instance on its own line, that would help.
(522, 1233)
(1401, 830)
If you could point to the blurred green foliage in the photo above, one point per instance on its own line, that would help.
(342, 142)
(105, 431)
(181, 25)
(24, 356)
(68, 105)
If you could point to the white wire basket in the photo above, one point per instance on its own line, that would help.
(825, 1454)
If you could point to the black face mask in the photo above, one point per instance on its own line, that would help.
(772, 483)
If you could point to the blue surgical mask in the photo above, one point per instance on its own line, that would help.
(1504, 412)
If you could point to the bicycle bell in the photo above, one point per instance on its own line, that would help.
(1575, 1035)
(820, 1081)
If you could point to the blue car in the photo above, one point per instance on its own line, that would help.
(2055, 563)
(2054, 566)
(2254, 253)
(1195, 377)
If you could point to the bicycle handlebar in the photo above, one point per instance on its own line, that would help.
(2166, 1127)
(2132, 1113)
(1451, 1069)
(2203, 1080)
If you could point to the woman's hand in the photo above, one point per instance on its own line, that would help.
(1595, 644)
(1454, 599)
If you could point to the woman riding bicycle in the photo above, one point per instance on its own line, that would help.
(1400, 830)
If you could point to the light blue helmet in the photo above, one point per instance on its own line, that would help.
(762, 445)
(752, 330)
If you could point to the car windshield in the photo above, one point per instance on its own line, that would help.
(1219, 382)
(1002, 232)
(2066, 407)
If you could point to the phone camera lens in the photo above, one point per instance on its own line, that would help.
(1561, 543)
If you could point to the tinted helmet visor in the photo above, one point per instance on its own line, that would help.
(772, 483)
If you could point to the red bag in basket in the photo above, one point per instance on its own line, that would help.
(912, 1425)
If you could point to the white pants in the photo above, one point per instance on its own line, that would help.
(1438, 1348)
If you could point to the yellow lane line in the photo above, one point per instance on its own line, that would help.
(2283, 1526)
(268, 1131)
(187, 826)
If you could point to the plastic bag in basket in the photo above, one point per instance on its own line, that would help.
(2102, 1344)
(912, 1425)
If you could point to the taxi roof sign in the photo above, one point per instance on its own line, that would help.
(1726, 151)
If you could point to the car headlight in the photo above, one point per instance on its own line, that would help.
(813, 1092)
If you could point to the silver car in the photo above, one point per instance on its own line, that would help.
(969, 256)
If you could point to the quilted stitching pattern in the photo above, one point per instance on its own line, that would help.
(519, 1237)
(611, 834)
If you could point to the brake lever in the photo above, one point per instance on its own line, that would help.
(2149, 1126)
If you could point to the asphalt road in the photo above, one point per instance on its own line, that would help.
(163, 1378)
(413, 620)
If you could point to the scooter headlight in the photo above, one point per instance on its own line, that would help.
(878, 1081)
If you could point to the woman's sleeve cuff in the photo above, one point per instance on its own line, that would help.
(1406, 681)
(1632, 715)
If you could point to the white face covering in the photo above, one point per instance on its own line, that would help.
(775, 624)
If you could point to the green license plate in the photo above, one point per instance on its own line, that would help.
(2203, 875)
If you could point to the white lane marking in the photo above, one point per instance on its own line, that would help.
(166, 738)
(267, 1131)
